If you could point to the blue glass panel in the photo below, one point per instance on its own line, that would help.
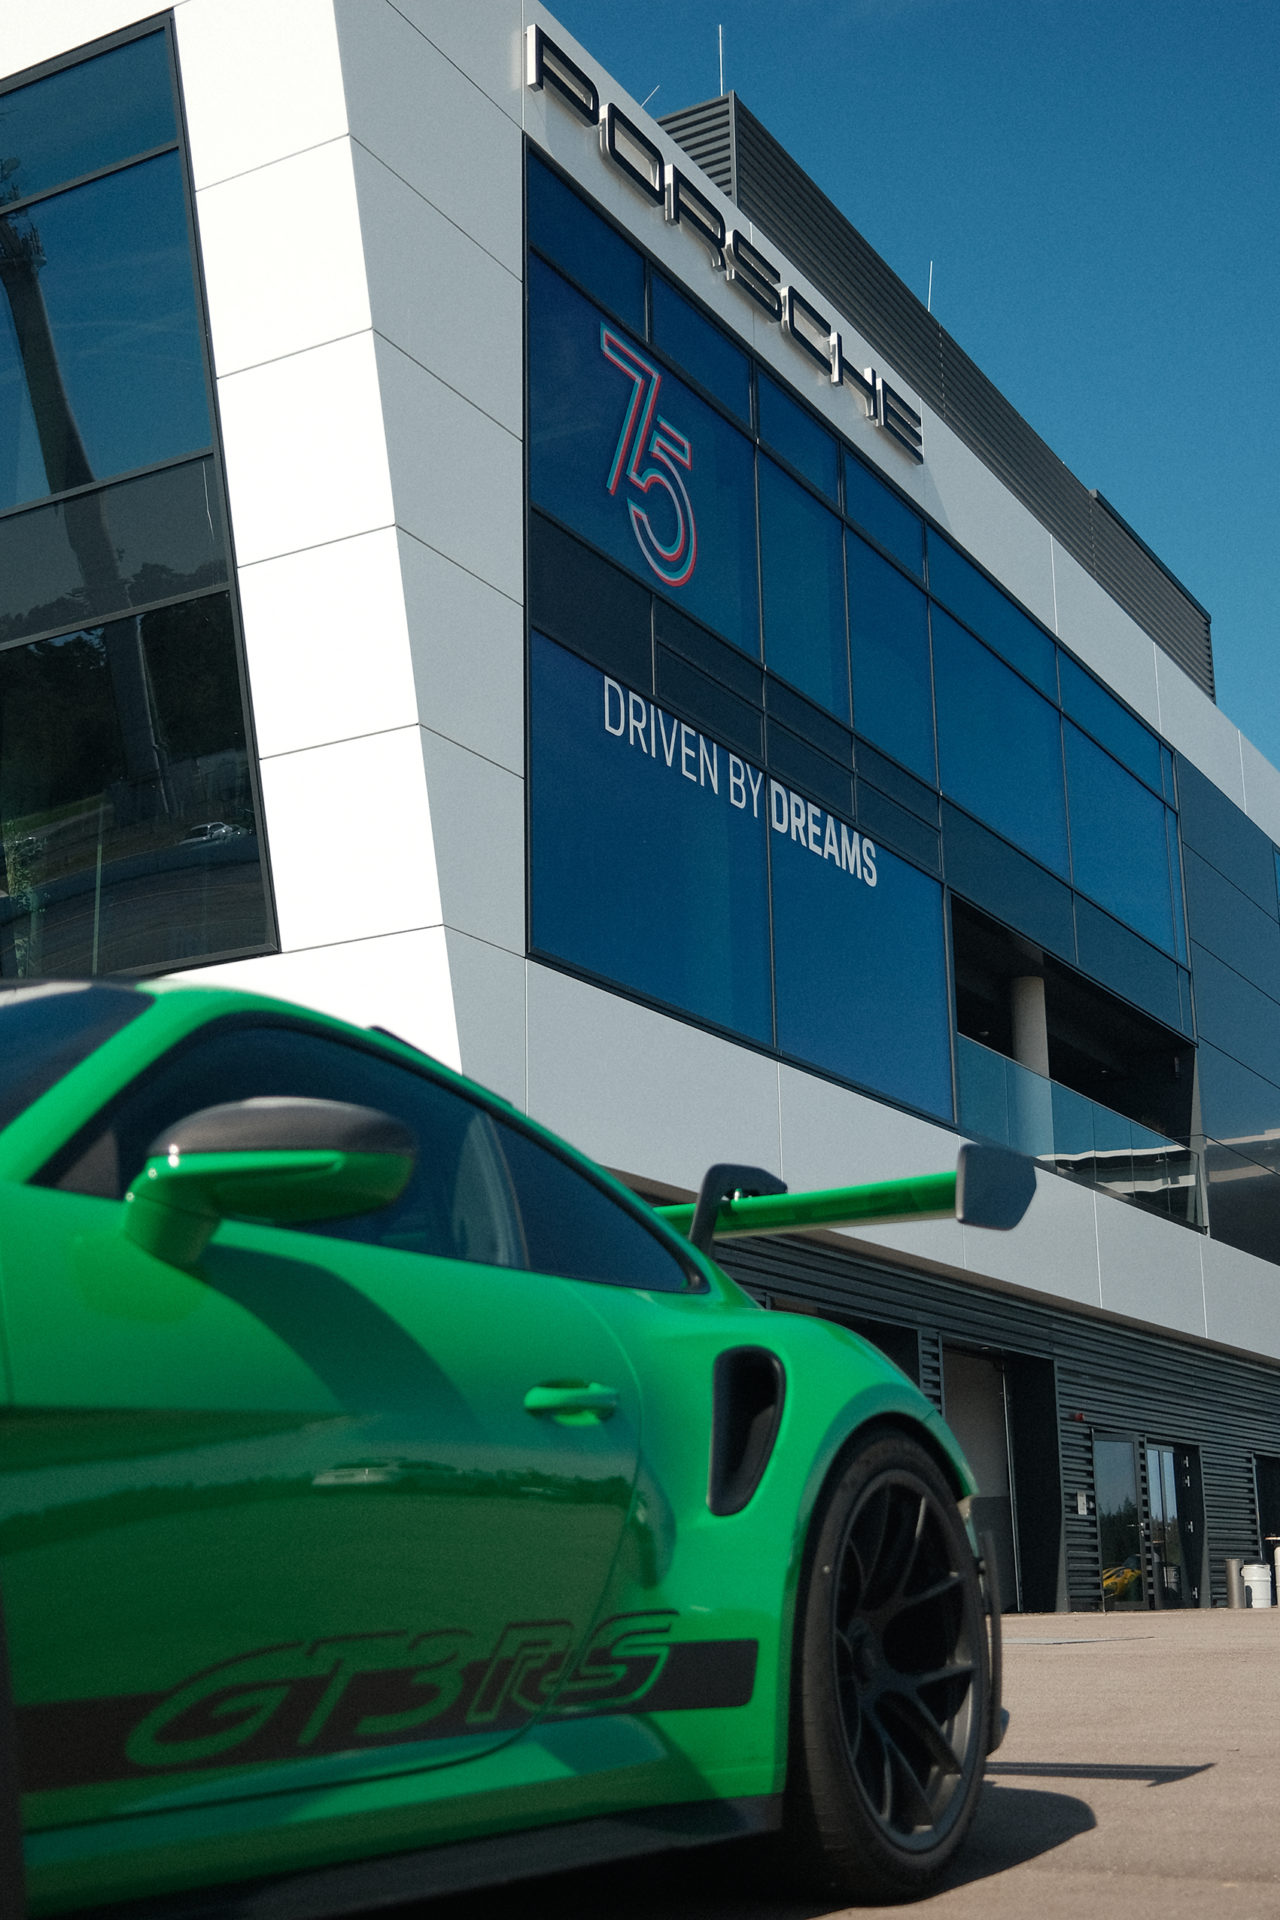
(889, 650)
(1109, 722)
(999, 745)
(647, 846)
(629, 457)
(88, 116)
(796, 435)
(1236, 1016)
(1244, 1202)
(1227, 838)
(803, 574)
(987, 871)
(983, 607)
(881, 514)
(860, 969)
(1236, 1104)
(1119, 848)
(587, 247)
(885, 820)
(1166, 775)
(1231, 926)
(1126, 964)
(707, 355)
(108, 290)
(982, 1086)
(1175, 885)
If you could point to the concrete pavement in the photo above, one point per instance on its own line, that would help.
(1140, 1777)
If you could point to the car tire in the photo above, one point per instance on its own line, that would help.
(889, 1721)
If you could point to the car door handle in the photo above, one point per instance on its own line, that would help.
(578, 1401)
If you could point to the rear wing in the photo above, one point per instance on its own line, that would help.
(990, 1187)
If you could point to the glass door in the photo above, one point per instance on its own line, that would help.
(1172, 1494)
(1116, 1489)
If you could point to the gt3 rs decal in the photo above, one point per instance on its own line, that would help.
(379, 1689)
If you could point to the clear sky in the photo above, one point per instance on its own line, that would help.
(1097, 183)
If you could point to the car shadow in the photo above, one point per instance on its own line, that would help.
(746, 1879)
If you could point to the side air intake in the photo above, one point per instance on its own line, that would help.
(747, 1392)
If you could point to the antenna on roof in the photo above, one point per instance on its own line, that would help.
(720, 32)
(928, 305)
(648, 97)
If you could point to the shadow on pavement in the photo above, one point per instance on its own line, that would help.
(743, 1881)
(1076, 1770)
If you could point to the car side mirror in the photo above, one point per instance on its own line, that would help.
(284, 1161)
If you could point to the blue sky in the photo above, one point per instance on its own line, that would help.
(1097, 183)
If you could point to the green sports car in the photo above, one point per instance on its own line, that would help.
(391, 1502)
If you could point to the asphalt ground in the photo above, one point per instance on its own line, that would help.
(1140, 1777)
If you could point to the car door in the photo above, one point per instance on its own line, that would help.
(345, 1501)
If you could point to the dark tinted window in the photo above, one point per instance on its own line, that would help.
(116, 287)
(1123, 962)
(889, 651)
(588, 248)
(705, 353)
(881, 514)
(1119, 846)
(634, 461)
(988, 872)
(128, 836)
(1226, 837)
(1231, 926)
(803, 575)
(647, 847)
(999, 745)
(482, 1190)
(1108, 721)
(983, 607)
(796, 435)
(47, 1030)
(88, 116)
(1237, 1016)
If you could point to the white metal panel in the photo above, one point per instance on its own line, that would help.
(439, 296)
(260, 81)
(467, 644)
(477, 816)
(1242, 1308)
(1191, 723)
(305, 450)
(488, 995)
(350, 836)
(282, 257)
(481, 38)
(1102, 635)
(1149, 1269)
(1054, 1251)
(641, 1091)
(327, 643)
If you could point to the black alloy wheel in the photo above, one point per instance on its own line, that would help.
(889, 1730)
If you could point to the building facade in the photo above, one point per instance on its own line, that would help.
(495, 566)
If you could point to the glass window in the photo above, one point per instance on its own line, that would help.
(1237, 1017)
(647, 848)
(881, 514)
(706, 354)
(596, 609)
(1108, 722)
(88, 116)
(796, 435)
(101, 366)
(1126, 964)
(803, 576)
(482, 1189)
(96, 554)
(890, 778)
(1225, 836)
(47, 1030)
(1244, 1202)
(983, 607)
(633, 460)
(999, 745)
(127, 825)
(1236, 1104)
(860, 967)
(885, 820)
(987, 871)
(1119, 847)
(889, 650)
(591, 251)
(1231, 926)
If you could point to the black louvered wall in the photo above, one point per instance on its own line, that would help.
(748, 164)
(1120, 1379)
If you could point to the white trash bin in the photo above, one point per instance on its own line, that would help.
(1256, 1575)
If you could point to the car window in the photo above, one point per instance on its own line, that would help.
(48, 1029)
(482, 1188)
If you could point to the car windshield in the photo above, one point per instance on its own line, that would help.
(48, 1029)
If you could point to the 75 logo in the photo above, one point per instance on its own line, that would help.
(650, 453)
